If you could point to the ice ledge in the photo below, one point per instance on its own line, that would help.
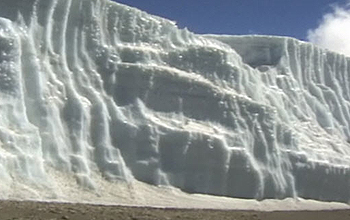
(259, 51)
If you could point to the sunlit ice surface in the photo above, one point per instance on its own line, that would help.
(104, 103)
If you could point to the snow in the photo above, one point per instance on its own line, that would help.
(103, 103)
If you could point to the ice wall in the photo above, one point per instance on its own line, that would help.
(92, 87)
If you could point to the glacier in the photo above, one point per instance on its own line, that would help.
(94, 94)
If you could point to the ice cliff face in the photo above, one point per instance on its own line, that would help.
(91, 87)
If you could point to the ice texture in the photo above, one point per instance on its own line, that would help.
(106, 93)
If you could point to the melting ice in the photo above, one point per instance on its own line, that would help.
(94, 94)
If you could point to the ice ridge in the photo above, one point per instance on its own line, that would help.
(93, 87)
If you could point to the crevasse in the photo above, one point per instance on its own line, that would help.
(93, 87)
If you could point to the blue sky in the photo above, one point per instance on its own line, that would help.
(295, 18)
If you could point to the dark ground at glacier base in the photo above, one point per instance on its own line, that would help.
(11, 210)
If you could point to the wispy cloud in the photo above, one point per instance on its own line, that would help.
(333, 32)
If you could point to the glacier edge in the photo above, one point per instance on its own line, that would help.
(100, 91)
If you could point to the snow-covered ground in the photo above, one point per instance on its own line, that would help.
(100, 102)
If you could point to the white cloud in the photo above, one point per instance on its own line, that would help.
(333, 32)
